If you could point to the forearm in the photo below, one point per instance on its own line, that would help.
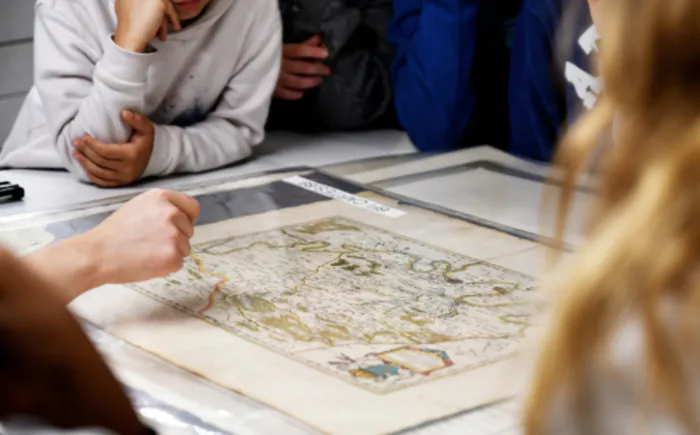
(84, 84)
(210, 144)
(118, 83)
(431, 71)
(72, 266)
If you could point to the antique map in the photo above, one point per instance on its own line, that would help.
(347, 320)
(374, 308)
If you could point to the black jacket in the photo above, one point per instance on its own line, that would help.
(358, 93)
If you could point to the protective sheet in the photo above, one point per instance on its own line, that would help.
(339, 307)
(499, 195)
(502, 418)
(167, 398)
(174, 401)
(280, 151)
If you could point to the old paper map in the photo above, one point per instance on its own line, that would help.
(347, 320)
(374, 308)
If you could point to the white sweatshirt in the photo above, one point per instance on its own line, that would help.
(207, 88)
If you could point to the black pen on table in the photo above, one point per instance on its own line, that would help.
(10, 192)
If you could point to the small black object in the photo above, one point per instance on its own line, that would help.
(10, 192)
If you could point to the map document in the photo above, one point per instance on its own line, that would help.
(363, 304)
(350, 321)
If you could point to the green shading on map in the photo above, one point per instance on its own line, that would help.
(374, 308)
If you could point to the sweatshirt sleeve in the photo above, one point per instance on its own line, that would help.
(84, 90)
(536, 109)
(237, 123)
(435, 44)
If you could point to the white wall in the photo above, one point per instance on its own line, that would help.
(16, 29)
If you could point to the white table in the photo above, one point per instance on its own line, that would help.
(57, 189)
(486, 184)
(510, 202)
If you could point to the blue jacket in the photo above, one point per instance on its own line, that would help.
(550, 84)
(450, 71)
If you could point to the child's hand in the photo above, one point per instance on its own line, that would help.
(121, 164)
(139, 21)
(146, 238)
(302, 68)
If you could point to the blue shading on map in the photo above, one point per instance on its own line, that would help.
(374, 308)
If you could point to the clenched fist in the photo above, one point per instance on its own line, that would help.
(146, 238)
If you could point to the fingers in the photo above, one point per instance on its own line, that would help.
(297, 75)
(184, 203)
(303, 51)
(305, 67)
(183, 224)
(100, 161)
(94, 156)
(163, 32)
(180, 213)
(182, 216)
(138, 122)
(288, 94)
(183, 247)
(102, 182)
(108, 152)
(169, 255)
(172, 15)
(94, 169)
(292, 81)
(179, 230)
(110, 165)
(314, 40)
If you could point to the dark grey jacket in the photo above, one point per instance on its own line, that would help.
(358, 93)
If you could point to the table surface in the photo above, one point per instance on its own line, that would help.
(458, 181)
(57, 189)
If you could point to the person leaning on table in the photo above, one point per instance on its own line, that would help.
(131, 89)
(50, 375)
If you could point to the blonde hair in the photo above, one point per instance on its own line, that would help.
(643, 244)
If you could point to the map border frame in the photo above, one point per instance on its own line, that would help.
(319, 367)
